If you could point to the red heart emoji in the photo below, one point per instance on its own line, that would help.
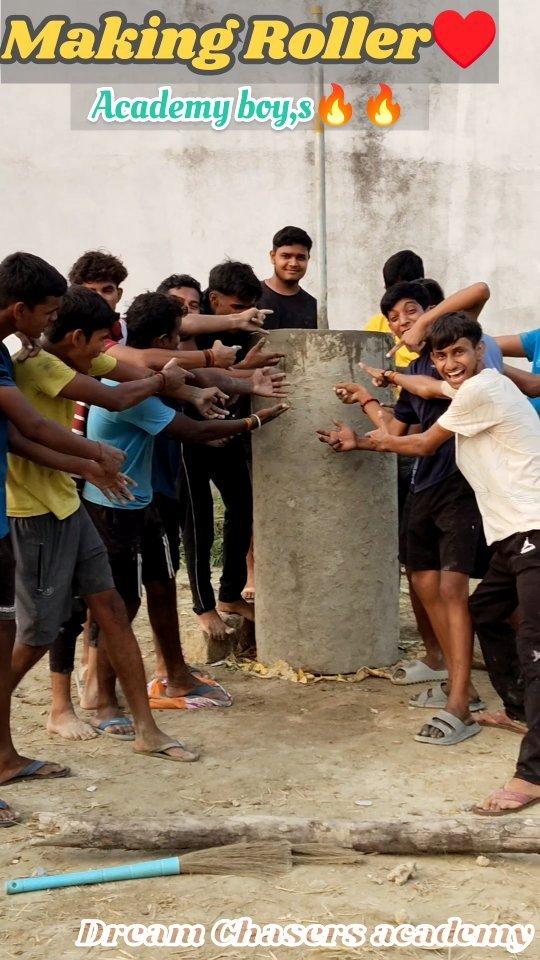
(464, 39)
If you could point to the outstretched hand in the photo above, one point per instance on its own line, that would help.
(342, 440)
(378, 377)
(269, 383)
(413, 339)
(351, 393)
(251, 321)
(270, 413)
(259, 357)
(210, 403)
(224, 357)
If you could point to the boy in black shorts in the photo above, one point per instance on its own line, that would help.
(134, 533)
(441, 533)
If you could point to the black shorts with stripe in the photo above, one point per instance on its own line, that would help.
(137, 545)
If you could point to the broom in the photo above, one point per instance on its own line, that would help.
(264, 859)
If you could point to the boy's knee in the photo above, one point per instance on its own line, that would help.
(454, 591)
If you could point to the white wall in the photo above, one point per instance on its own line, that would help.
(463, 194)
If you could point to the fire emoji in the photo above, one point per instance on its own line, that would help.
(333, 110)
(381, 110)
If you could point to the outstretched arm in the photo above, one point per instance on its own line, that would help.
(528, 383)
(34, 426)
(193, 431)
(511, 346)
(343, 440)
(155, 358)
(249, 321)
(471, 299)
(116, 488)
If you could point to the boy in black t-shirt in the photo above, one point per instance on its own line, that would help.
(292, 307)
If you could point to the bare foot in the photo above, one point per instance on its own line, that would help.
(514, 796)
(68, 725)
(239, 607)
(88, 696)
(214, 626)
(248, 593)
(8, 816)
(501, 720)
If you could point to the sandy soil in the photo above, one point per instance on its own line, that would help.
(282, 748)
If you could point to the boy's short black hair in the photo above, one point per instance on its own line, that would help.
(288, 236)
(404, 291)
(452, 327)
(96, 266)
(81, 309)
(152, 315)
(435, 291)
(235, 279)
(403, 265)
(25, 278)
(179, 280)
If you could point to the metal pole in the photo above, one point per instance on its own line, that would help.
(320, 189)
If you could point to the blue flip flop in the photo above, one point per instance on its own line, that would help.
(30, 772)
(103, 728)
(14, 820)
(207, 691)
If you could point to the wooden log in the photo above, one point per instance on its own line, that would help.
(186, 832)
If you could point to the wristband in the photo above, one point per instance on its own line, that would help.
(371, 400)
(209, 358)
(388, 375)
(253, 422)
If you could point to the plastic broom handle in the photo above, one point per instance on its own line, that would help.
(168, 867)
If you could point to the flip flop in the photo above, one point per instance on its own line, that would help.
(524, 800)
(435, 698)
(103, 728)
(453, 730)
(209, 693)
(161, 754)
(416, 672)
(13, 820)
(30, 772)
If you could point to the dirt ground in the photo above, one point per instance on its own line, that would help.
(282, 748)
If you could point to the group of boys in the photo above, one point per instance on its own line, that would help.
(110, 432)
(116, 429)
(467, 433)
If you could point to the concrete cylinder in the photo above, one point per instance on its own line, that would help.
(325, 524)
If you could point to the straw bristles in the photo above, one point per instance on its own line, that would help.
(322, 854)
(262, 858)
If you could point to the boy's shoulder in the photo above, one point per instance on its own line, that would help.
(43, 372)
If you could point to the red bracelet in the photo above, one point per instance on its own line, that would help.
(371, 400)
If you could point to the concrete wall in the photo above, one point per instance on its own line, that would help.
(464, 193)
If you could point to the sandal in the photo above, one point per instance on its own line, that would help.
(452, 728)
(435, 697)
(523, 799)
(161, 754)
(31, 772)
(106, 727)
(13, 820)
(415, 671)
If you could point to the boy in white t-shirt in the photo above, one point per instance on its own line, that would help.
(498, 451)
